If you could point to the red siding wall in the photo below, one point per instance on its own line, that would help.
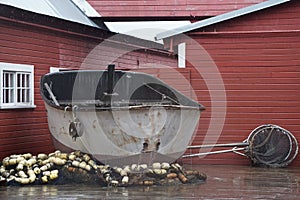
(176, 8)
(258, 57)
(26, 130)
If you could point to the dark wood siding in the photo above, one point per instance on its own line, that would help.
(26, 130)
(176, 8)
(258, 57)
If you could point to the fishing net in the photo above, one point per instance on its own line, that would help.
(271, 146)
(267, 146)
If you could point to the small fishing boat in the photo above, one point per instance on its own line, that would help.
(119, 117)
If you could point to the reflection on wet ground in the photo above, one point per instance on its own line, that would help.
(223, 182)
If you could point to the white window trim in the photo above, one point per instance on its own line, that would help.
(58, 69)
(54, 69)
(17, 68)
(181, 55)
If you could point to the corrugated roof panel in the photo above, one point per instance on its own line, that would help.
(86, 8)
(63, 9)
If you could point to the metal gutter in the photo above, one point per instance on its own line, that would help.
(220, 18)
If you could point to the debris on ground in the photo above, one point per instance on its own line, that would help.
(77, 167)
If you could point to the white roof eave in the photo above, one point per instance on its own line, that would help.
(144, 29)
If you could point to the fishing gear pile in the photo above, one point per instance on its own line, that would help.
(77, 167)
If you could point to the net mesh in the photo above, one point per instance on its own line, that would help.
(271, 146)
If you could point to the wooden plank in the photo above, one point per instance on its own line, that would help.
(157, 8)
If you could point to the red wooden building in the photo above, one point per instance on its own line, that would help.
(243, 69)
(33, 43)
(136, 10)
(256, 52)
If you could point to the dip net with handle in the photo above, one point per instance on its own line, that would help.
(267, 146)
(271, 145)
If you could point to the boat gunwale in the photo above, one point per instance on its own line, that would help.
(134, 107)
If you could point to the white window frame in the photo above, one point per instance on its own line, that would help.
(58, 69)
(181, 55)
(16, 69)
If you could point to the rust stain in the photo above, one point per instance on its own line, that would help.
(128, 140)
(158, 113)
(62, 130)
(94, 123)
(134, 139)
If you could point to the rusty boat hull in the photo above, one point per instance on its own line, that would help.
(143, 121)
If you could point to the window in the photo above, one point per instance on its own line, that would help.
(17, 89)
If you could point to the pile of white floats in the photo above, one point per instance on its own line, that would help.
(77, 167)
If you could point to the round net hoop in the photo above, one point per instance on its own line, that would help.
(271, 146)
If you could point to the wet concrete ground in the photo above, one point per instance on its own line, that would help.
(223, 182)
